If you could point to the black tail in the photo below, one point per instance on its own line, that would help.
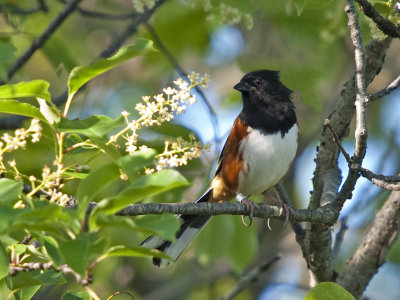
(190, 227)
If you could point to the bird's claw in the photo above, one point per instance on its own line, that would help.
(250, 205)
(283, 207)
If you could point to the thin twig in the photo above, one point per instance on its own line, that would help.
(337, 141)
(379, 180)
(249, 277)
(383, 24)
(130, 29)
(65, 269)
(15, 121)
(37, 43)
(175, 64)
(387, 90)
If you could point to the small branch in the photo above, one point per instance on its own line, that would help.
(37, 43)
(65, 269)
(361, 132)
(383, 24)
(372, 252)
(130, 29)
(251, 276)
(175, 64)
(27, 239)
(15, 121)
(386, 91)
(379, 180)
(322, 215)
(337, 141)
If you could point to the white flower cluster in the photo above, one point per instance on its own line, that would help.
(9, 143)
(178, 153)
(225, 13)
(51, 184)
(140, 5)
(160, 108)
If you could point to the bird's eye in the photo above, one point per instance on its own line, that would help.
(259, 82)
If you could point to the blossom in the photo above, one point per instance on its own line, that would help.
(160, 108)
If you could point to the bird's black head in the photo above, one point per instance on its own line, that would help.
(266, 102)
(264, 86)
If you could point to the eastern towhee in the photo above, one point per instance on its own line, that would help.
(258, 152)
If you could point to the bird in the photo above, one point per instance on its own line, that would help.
(257, 154)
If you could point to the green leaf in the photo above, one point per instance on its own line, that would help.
(135, 252)
(98, 247)
(7, 50)
(34, 278)
(165, 225)
(7, 217)
(383, 7)
(4, 262)
(52, 249)
(26, 293)
(82, 74)
(301, 5)
(76, 296)
(174, 130)
(243, 246)
(48, 217)
(76, 252)
(34, 88)
(76, 175)
(328, 291)
(134, 163)
(93, 127)
(93, 184)
(145, 186)
(215, 240)
(9, 191)
(51, 113)
(17, 108)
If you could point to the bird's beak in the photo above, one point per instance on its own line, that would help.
(242, 87)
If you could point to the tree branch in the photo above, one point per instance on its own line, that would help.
(65, 269)
(387, 90)
(372, 252)
(37, 43)
(379, 180)
(322, 215)
(15, 121)
(383, 24)
(361, 132)
(327, 177)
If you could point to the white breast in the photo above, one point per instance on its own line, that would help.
(266, 160)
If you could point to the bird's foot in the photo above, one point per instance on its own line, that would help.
(283, 207)
(250, 205)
